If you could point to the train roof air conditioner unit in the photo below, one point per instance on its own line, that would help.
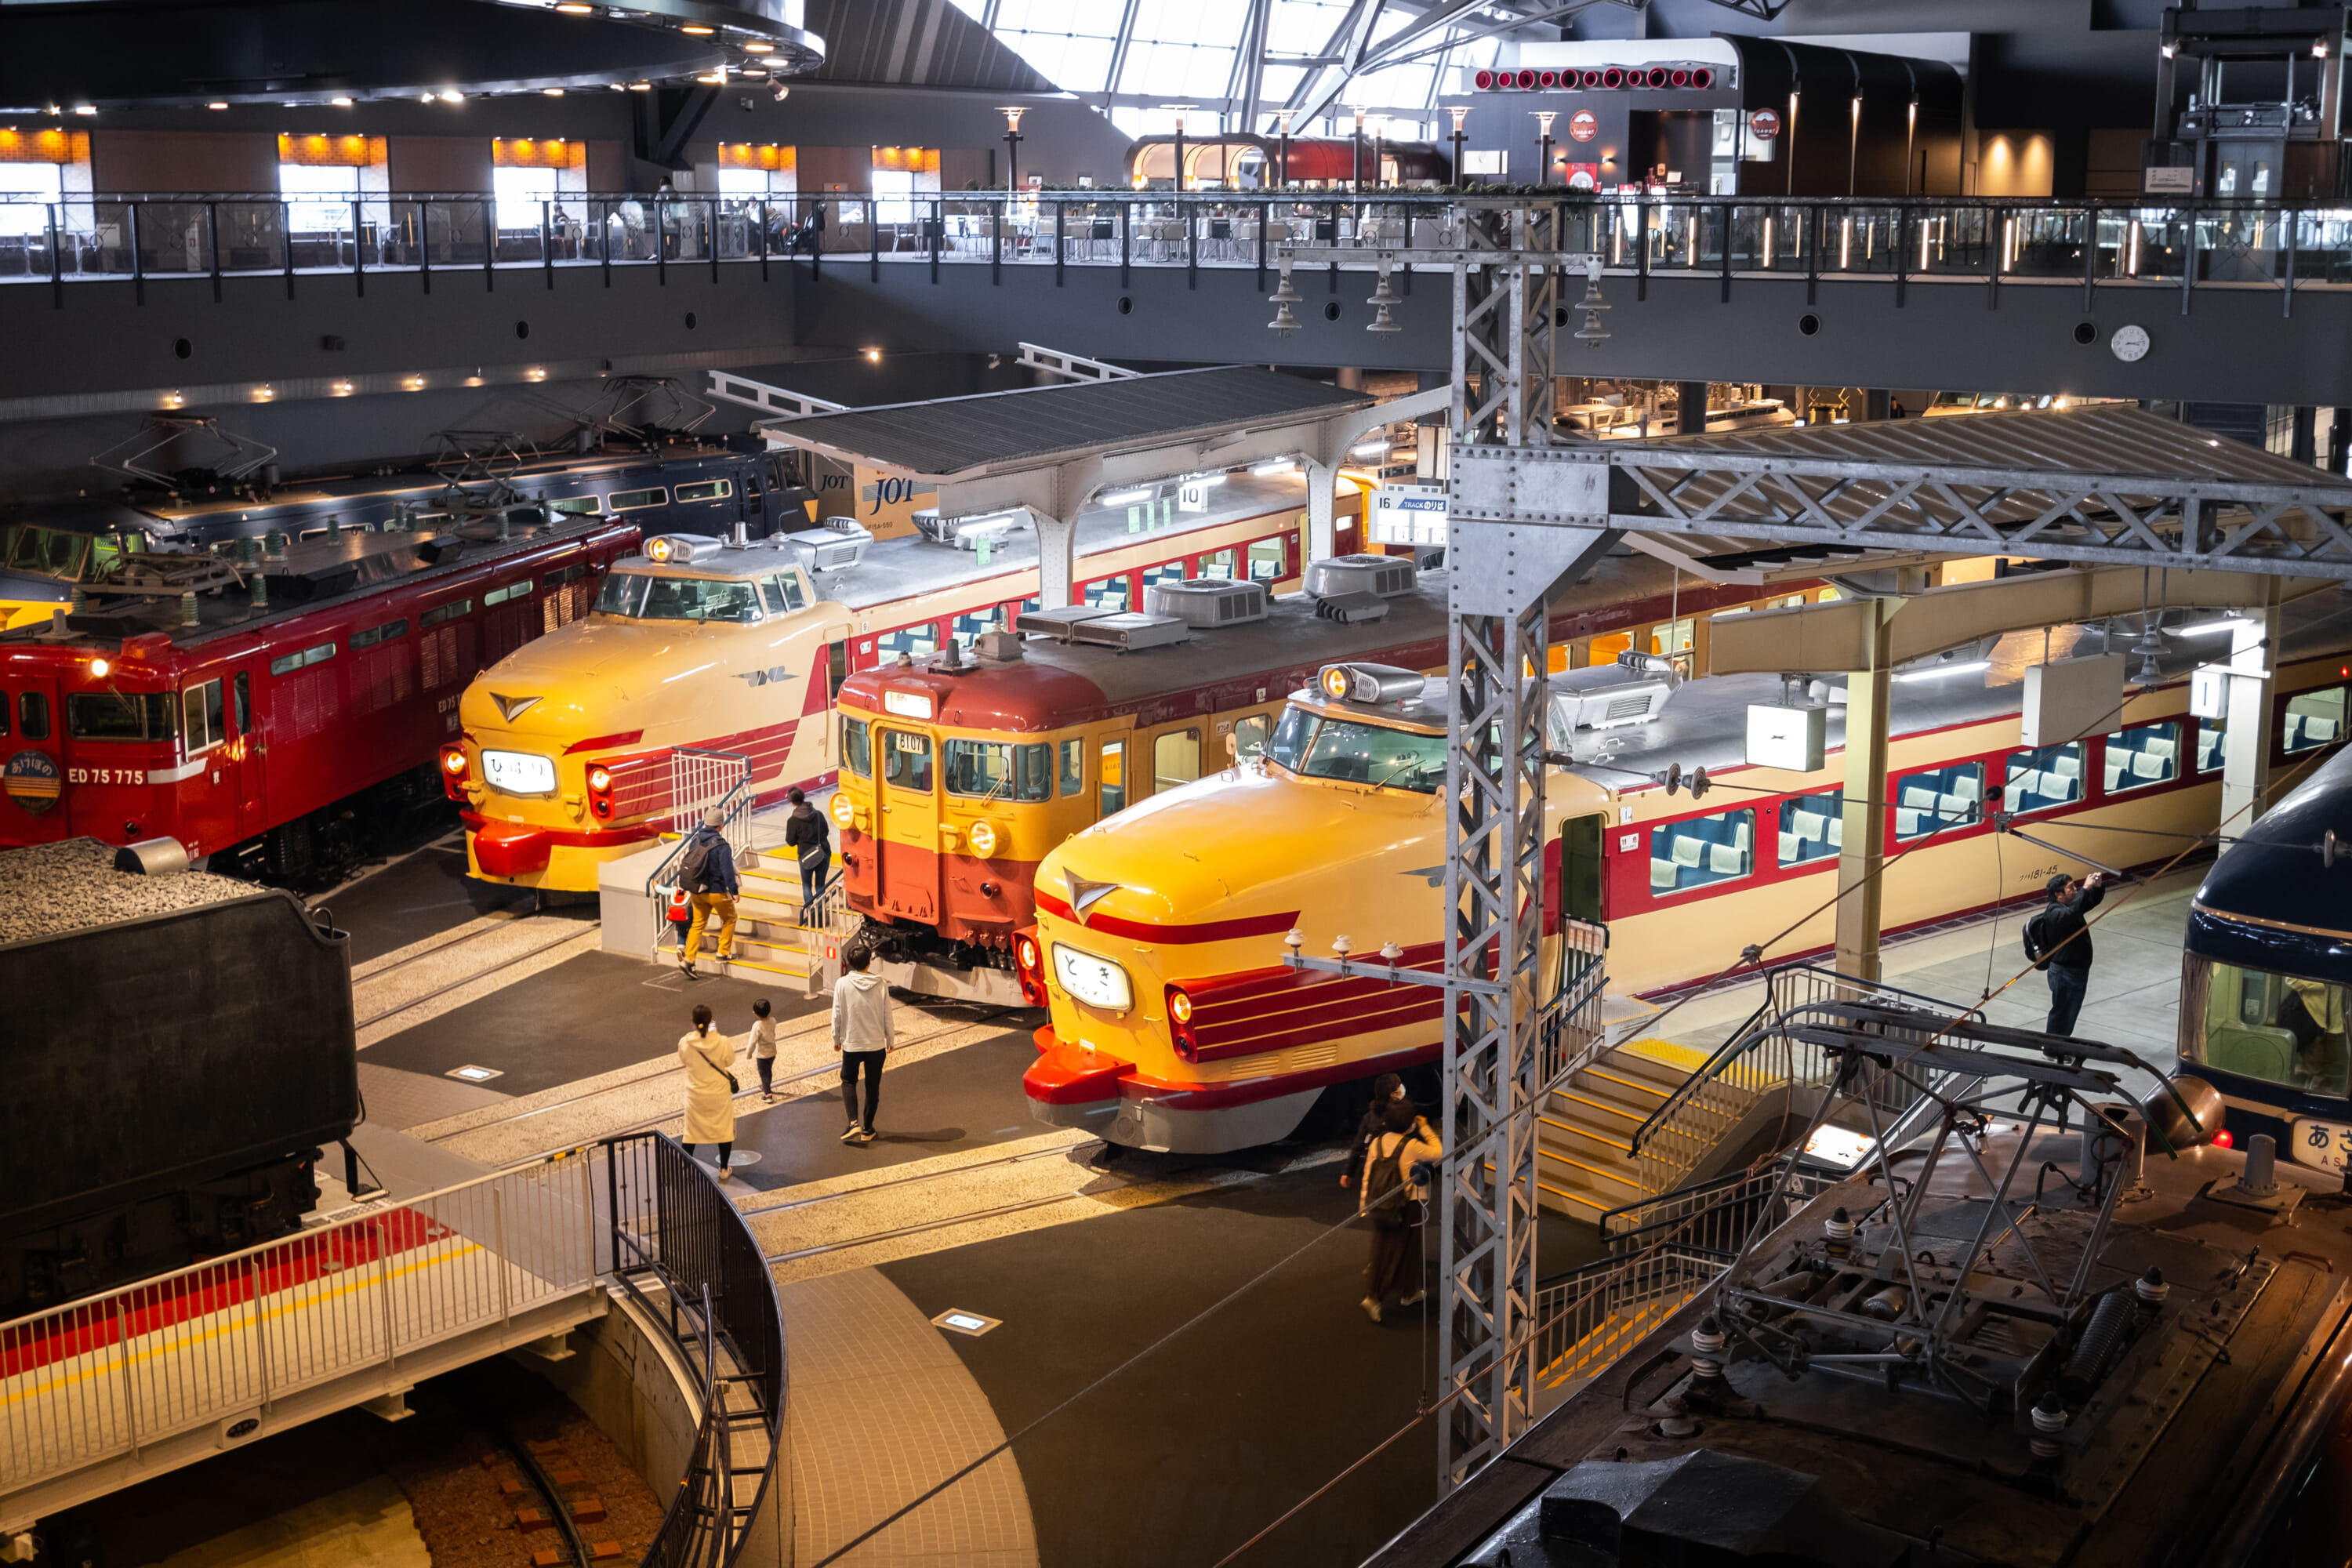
(1206, 602)
(1386, 575)
(833, 545)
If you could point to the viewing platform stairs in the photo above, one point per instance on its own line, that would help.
(1586, 1163)
(775, 931)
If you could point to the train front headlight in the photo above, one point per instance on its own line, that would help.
(984, 839)
(599, 791)
(845, 810)
(1029, 965)
(599, 779)
(453, 772)
(1180, 1024)
(1335, 683)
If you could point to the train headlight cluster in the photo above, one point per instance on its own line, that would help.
(599, 791)
(599, 779)
(845, 810)
(983, 840)
(1032, 972)
(453, 771)
(1368, 683)
(1180, 1024)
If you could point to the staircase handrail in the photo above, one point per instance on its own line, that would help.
(1589, 938)
(1759, 1026)
(734, 804)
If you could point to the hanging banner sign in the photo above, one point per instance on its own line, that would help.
(1584, 125)
(1764, 124)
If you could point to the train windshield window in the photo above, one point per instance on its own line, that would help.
(199, 717)
(1249, 735)
(996, 770)
(622, 592)
(122, 715)
(1702, 851)
(1110, 774)
(1373, 754)
(2144, 755)
(1074, 768)
(707, 489)
(2280, 1028)
(33, 715)
(2313, 719)
(2044, 779)
(1938, 800)
(783, 591)
(699, 599)
(1812, 827)
(49, 552)
(856, 747)
(906, 761)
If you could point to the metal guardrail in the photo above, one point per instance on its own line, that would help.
(1570, 1034)
(227, 1341)
(698, 780)
(1927, 239)
(1756, 1060)
(684, 1251)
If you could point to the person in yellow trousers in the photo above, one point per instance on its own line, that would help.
(706, 870)
(709, 1058)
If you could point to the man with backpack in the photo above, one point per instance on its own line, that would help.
(811, 842)
(707, 871)
(2058, 941)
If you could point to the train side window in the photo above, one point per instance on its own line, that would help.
(245, 701)
(199, 717)
(2044, 779)
(1105, 594)
(906, 761)
(1221, 565)
(1938, 800)
(1812, 826)
(1074, 768)
(440, 613)
(1702, 851)
(1110, 776)
(2142, 756)
(33, 715)
(2209, 743)
(1175, 758)
(1267, 559)
(965, 630)
(374, 635)
(2280, 1028)
(913, 641)
(636, 500)
(1167, 571)
(575, 506)
(857, 745)
(1250, 733)
(705, 490)
(511, 591)
(289, 663)
(2313, 720)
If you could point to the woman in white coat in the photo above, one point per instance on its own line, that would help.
(709, 1089)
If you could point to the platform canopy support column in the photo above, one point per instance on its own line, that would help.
(1862, 844)
(2246, 731)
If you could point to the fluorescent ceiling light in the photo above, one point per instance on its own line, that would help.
(1281, 466)
(2207, 629)
(1965, 666)
(1129, 498)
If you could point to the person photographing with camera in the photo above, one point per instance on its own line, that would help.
(2058, 941)
(1396, 1204)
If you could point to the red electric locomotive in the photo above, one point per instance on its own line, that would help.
(261, 711)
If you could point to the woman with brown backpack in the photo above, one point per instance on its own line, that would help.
(1396, 1205)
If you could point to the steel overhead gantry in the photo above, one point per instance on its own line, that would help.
(1051, 450)
(1531, 509)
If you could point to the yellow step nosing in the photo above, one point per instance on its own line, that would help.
(1658, 1089)
(1600, 1105)
(1569, 1197)
(1571, 1127)
(1595, 1172)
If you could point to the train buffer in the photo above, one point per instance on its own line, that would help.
(352, 1311)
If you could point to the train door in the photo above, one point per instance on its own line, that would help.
(32, 761)
(249, 750)
(906, 830)
(206, 817)
(1580, 868)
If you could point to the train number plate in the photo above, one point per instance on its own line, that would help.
(2326, 1144)
(1095, 981)
(517, 772)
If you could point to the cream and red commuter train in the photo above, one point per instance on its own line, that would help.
(563, 758)
(1159, 932)
(956, 780)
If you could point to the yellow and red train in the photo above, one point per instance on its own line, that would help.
(563, 759)
(1159, 931)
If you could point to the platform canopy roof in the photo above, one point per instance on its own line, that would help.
(2102, 482)
(951, 440)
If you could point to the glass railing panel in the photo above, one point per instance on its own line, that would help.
(2155, 246)
(2045, 242)
(2240, 245)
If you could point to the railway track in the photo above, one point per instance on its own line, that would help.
(638, 1081)
(574, 931)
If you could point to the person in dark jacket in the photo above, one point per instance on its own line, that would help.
(811, 842)
(707, 872)
(1386, 1088)
(2058, 940)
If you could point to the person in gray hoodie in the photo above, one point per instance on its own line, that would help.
(862, 1034)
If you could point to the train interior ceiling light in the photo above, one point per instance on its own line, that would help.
(109, 54)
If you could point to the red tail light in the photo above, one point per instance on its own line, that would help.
(453, 771)
(1179, 1024)
(599, 791)
(1029, 962)
(2223, 1140)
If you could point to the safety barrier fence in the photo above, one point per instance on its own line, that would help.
(1662, 1252)
(1762, 1059)
(423, 239)
(700, 781)
(1570, 1032)
(226, 1342)
(684, 1251)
